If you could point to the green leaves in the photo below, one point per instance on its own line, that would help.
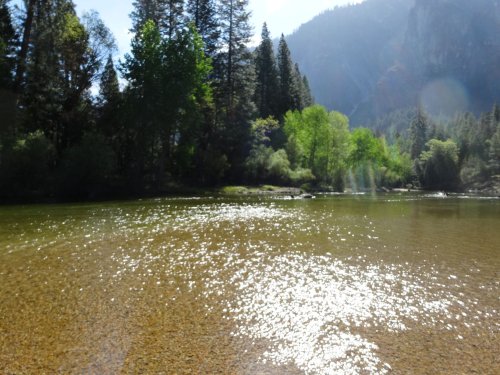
(319, 141)
(438, 166)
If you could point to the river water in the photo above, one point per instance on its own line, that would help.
(395, 283)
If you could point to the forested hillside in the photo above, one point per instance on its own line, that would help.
(370, 59)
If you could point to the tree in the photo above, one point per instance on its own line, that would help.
(25, 170)
(310, 132)
(290, 80)
(25, 42)
(418, 134)
(307, 99)
(203, 14)
(340, 147)
(366, 157)
(494, 153)
(174, 17)
(167, 82)
(109, 121)
(8, 41)
(167, 15)
(234, 80)
(147, 10)
(109, 86)
(7, 46)
(301, 94)
(438, 167)
(65, 58)
(86, 168)
(145, 101)
(266, 84)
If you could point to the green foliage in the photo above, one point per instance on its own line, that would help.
(167, 15)
(494, 152)
(367, 158)
(203, 14)
(256, 165)
(398, 170)
(25, 166)
(418, 134)
(289, 80)
(266, 86)
(263, 130)
(186, 111)
(278, 166)
(474, 169)
(86, 169)
(319, 141)
(438, 166)
(8, 41)
(167, 87)
(365, 147)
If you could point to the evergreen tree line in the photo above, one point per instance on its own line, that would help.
(448, 153)
(199, 108)
(191, 90)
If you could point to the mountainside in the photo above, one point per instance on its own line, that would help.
(372, 58)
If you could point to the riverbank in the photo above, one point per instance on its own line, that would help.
(489, 189)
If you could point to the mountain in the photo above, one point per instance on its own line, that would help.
(369, 59)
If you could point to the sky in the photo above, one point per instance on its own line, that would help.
(282, 16)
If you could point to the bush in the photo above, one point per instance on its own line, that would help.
(302, 176)
(278, 167)
(257, 163)
(25, 168)
(474, 170)
(86, 169)
(438, 167)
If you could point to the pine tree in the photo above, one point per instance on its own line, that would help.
(494, 153)
(298, 89)
(288, 84)
(31, 5)
(145, 10)
(306, 93)
(8, 40)
(234, 62)
(7, 46)
(109, 86)
(174, 17)
(266, 85)
(418, 134)
(166, 14)
(167, 79)
(234, 82)
(203, 14)
(109, 100)
(63, 60)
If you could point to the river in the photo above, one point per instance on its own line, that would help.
(340, 284)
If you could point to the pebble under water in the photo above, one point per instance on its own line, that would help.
(396, 283)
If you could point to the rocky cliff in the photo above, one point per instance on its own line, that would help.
(372, 58)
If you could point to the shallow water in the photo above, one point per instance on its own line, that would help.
(335, 285)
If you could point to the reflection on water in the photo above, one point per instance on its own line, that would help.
(337, 285)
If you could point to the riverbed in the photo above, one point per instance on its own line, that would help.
(339, 284)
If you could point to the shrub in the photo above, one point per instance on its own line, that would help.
(86, 168)
(26, 166)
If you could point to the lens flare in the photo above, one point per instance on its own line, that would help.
(444, 96)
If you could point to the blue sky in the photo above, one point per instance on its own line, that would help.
(282, 16)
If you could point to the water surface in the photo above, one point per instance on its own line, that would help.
(335, 285)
